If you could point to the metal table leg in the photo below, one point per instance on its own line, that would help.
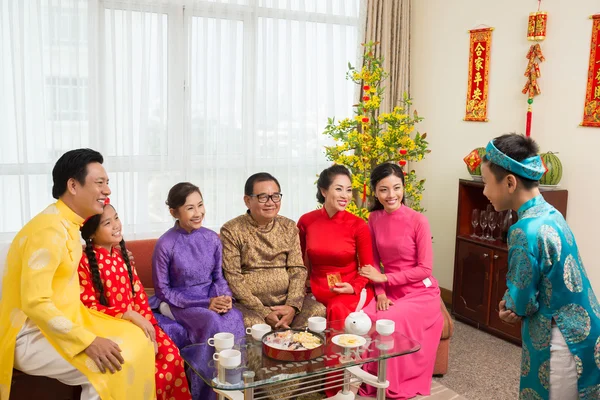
(221, 378)
(346, 386)
(248, 378)
(381, 378)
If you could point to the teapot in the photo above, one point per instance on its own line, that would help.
(359, 323)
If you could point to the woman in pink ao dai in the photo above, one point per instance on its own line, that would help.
(406, 293)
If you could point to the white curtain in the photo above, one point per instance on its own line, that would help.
(203, 91)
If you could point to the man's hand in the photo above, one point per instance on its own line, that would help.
(372, 274)
(142, 323)
(383, 303)
(220, 304)
(106, 354)
(343, 288)
(272, 319)
(285, 315)
(507, 315)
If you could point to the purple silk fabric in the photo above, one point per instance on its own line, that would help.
(187, 273)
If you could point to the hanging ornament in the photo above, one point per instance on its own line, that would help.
(541, 18)
(531, 26)
(536, 31)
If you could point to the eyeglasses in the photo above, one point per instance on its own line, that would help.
(263, 197)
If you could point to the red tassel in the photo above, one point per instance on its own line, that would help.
(528, 125)
(364, 196)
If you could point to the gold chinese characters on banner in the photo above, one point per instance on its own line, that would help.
(479, 68)
(591, 109)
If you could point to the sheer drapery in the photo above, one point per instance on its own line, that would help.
(205, 91)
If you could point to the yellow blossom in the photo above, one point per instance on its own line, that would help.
(372, 137)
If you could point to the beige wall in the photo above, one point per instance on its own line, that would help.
(439, 58)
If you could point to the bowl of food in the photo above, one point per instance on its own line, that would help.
(293, 345)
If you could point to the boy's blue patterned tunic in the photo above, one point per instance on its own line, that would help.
(546, 279)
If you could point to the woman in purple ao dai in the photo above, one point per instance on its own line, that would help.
(192, 295)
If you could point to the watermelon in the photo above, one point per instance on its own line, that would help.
(554, 173)
(477, 171)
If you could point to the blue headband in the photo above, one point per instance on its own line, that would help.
(530, 168)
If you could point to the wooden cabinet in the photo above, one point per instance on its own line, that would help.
(480, 266)
(472, 289)
(498, 289)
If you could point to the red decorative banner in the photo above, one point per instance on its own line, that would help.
(479, 67)
(591, 109)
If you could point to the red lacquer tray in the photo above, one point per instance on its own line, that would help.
(292, 355)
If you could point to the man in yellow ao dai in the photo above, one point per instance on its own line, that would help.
(46, 330)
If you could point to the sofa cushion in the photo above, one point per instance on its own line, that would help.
(142, 253)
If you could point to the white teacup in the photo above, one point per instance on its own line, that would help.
(385, 327)
(317, 324)
(258, 330)
(228, 358)
(221, 341)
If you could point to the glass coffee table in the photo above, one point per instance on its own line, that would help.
(260, 377)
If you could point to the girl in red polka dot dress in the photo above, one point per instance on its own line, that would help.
(110, 284)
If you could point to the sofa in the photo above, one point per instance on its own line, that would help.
(30, 387)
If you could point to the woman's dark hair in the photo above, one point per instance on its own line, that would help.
(179, 193)
(87, 230)
(72, 164)
(518, 147)
(256, 178)
(326, 179)
(380, 172)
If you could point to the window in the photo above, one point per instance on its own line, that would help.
(203, 91)
(67, 98)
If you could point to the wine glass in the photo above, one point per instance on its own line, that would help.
(500, 224)
(483, 221)
(475, 222)
(492, 221)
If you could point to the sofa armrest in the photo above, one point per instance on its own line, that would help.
(448, 330)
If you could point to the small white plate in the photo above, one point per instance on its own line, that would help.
(359, 340)
(476, 178)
